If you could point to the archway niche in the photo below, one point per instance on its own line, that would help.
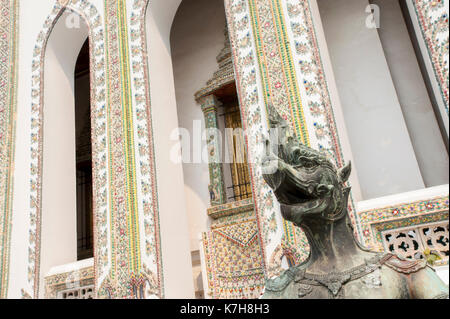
(59, 180)
(175, 250)
(215, 169)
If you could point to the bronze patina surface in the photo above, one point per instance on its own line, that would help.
(313, 195)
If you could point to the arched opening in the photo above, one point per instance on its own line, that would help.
(66, 117)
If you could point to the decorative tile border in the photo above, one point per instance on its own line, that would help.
(99, 150)
(401, 215)
(60, 282)
(147, 188)
(433, 18)
(275, 63)
(125, 256)
(251, 101)
(232, 257)
(314, 88)
(9, 22)
(136, 259)
(231, 208)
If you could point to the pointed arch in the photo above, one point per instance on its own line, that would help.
(89, 14)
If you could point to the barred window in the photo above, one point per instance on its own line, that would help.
(241, 187)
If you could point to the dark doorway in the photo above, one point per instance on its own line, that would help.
(83, 155)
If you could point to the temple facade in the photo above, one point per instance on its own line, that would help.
(132, 134)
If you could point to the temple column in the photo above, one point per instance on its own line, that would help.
(8, 104)
(277, 61)
(209, 105)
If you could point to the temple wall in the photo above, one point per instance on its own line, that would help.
(175, 244)
(422, 205)
(327, 68)
(417, 109)
(430, 23)
(371, 107)
(146, 217)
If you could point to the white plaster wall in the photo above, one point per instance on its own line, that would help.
(428, 63)
(196, 39)
(418, 112)
(442, 272)
(177, 265)
(335, 100)
(407, 197)
(384, 156)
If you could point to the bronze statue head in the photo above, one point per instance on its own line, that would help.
(305, 182)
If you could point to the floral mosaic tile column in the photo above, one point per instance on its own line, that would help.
(131, 276)
(432, 17)
(8, 87)
(277, 60)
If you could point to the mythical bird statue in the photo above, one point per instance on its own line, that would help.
(313, 195)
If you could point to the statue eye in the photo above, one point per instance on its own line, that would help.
(308, 164)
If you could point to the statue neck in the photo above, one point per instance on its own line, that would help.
(333, 247)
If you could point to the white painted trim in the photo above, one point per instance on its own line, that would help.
(402, 198)
(75, 266)
(443, 273)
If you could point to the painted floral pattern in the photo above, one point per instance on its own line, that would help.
(433, 20)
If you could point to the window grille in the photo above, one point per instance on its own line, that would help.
(77, 293)
(411, 242)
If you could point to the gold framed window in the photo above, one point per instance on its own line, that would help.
(241, 186)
